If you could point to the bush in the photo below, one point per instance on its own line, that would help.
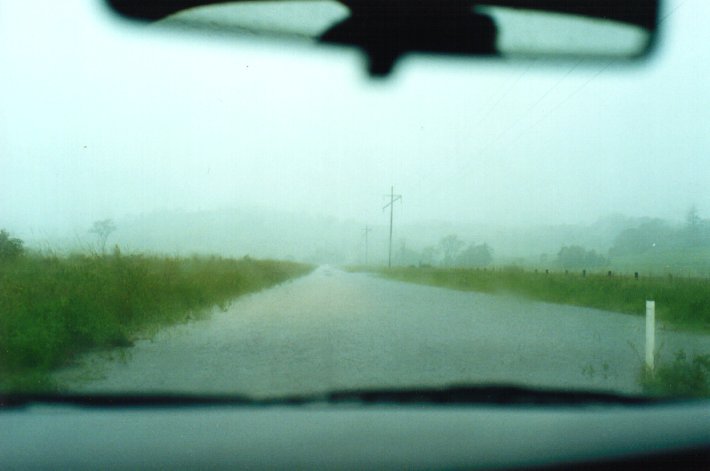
(475, 256)
(10, 248)
(682, 378)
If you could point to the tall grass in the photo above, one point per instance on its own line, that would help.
(681, 302)
(684, 377)
(53, 308)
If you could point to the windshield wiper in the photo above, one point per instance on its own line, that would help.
(494, 395)
(453, 395)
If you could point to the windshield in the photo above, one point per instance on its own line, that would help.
(208, 214)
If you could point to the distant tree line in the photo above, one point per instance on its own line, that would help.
(657, 234)
(649, 235)
(449, 252)
(575, 257)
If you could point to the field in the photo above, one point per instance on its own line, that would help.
(681, 302)
(54, 308)
(694, 262)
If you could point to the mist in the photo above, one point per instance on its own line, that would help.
(255, 148)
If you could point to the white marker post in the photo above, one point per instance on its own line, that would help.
(650, 333)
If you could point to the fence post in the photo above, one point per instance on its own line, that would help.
(650, 333)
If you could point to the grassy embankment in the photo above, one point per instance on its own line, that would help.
(680, 301)
(54, 308)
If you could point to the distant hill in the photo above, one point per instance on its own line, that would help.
(325, 239)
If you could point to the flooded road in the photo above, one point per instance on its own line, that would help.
(333, 330)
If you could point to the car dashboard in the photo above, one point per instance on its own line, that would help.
(352, 435)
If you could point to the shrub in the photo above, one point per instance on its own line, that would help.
(10, 248)
(682, 378)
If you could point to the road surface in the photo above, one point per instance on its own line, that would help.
(333, 330)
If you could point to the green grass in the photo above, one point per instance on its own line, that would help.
(686, 262)
(681, 378)
(54, 308)
(680, 301)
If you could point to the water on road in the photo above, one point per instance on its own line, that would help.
(333, 330)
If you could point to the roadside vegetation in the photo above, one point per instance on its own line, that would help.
(53, 308)
(684, 377)
(680, 301)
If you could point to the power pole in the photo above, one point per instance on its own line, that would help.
(366, 231)
(393, 198)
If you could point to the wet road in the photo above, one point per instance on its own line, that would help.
(336, 330)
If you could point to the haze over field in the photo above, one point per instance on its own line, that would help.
(328, 240)
(160, 133)
(126, 149)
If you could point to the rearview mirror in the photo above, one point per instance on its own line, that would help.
(386, 30)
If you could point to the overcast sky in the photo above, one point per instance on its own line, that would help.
(99, 119)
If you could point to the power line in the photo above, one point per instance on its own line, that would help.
(524, 115)
(393, 198)
(504, 94)
(567, 98)
(604, 67)
(667, 15)
(492, 143)
(496, 103)
(366, 231)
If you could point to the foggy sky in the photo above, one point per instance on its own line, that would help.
(103, 120)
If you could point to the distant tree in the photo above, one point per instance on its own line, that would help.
(102, 229)
(428, 256)
(450, 246)
(10, 247)
(577, 257)
(696, 232)
(645, 237)
(692, 219)
(475, 256)
(406, 256)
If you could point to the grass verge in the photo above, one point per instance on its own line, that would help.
(680, 302)
(681, 378)
(54, 308)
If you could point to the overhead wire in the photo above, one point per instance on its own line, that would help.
(571, 95)
(492, 143)
(503, 95)
(528, 110)
(498, 137)
(507, 90)
(495, 104)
